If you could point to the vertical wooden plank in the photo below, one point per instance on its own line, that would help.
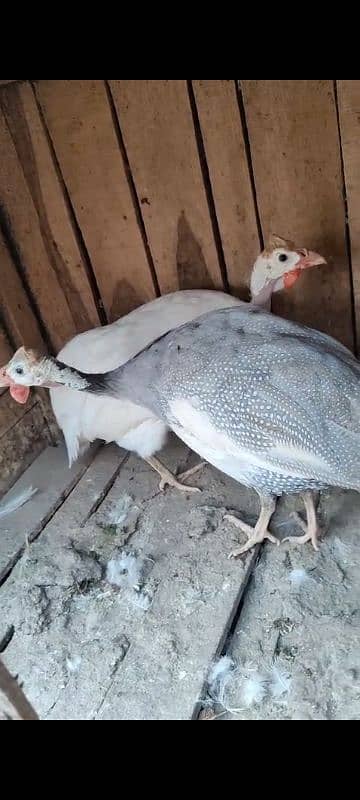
(27, 130)
(24, 226)
(221, 128)
(14, 303)
(80, 123)
(156, 122)
(5, 347)
(349, 116)
(296, 158)
(5, 354)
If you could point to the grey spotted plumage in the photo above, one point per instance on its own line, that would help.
(283, 398)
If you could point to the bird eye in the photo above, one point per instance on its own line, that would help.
(19, 371)
(283, 257)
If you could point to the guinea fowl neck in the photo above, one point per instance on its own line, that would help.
(131, 381)
(92, 383)
(104, 384)
(263, 297)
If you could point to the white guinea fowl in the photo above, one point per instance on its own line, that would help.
(84, 418)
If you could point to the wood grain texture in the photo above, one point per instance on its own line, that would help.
(349, 117)
(63, 249)
(11, 412)
(296, 159)
(190, 584)
(5, 354)
(25, 524)
(23, 225)
(21, 444)
(221, 128)
(80, 123)
(5, 347)
(157, 126)
(15, 304)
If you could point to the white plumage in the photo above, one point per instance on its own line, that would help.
(84, 418)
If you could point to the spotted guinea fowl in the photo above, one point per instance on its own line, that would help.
(84, 418)
(271, 403)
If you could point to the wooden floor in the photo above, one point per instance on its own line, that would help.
(84, 648)
(116, 599)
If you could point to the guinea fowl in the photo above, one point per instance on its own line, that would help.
(84, 418)
(269, 402)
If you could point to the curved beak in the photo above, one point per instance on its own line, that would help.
(309, 259)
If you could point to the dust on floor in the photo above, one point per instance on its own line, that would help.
(126, 600)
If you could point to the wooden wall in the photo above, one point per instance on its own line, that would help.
(112, 192)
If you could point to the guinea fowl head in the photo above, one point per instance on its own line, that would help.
(278, 267)
(29, 368)
(18, 374)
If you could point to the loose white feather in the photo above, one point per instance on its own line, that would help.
(125, 570)
(279, 681)
(16, 502)
(254, 689)
(142, 600)
(120, 510)
(219, 678)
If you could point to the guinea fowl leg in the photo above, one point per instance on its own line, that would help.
(260, 532)
(310, 527)
(168, 479)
